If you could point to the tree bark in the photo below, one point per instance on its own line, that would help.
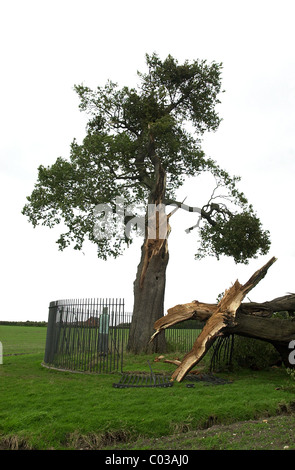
(230, 316)
(148, 302)
(149, 285)
(202, 311)
(278, 332)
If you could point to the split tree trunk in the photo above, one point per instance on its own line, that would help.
(148, 302)
(149, 285)
(229, 316)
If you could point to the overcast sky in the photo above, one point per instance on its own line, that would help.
(49, 46)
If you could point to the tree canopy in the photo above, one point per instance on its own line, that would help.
(131, 133)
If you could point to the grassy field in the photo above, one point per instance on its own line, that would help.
(48, 409)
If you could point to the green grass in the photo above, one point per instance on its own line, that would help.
(48, 409)
(22, 339)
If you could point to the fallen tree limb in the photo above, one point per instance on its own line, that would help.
(173, 361)
(220, 319)
(268, 329)
(267, 309)
(202, 312)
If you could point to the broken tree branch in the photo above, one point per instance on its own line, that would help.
(202, 312)
(220, 317)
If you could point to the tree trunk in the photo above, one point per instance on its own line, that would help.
(230, 316)
(149, 285)
(278, 332)
(148, 302)
(253, 320)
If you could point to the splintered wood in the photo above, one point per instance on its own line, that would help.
(219, 318)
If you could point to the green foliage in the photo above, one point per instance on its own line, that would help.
(240, 236)
(189, 325)
(24, 323)
(253, 354)
(130, 133)
(291, 373)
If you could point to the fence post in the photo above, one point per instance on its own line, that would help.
(49, 350)
(103, 331)
(1, 353)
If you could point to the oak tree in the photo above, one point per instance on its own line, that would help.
(141, 144)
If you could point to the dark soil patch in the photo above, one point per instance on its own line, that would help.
(269, 433)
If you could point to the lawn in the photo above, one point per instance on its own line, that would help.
(42, 408)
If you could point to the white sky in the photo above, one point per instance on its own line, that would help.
(48, 46)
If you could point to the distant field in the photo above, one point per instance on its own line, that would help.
(22, 339)
(32, 339)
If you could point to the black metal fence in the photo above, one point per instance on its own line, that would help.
(86, 335)
(182, 336)
(91, 335)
